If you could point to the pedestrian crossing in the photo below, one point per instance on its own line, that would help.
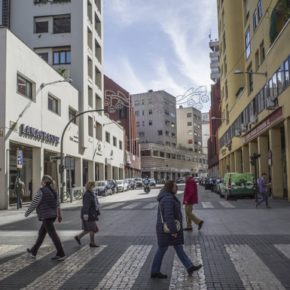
(243, 259)
(223, 204)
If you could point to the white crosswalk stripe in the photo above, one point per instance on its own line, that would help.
(56, 277)
(112, 206)
(151, 205)
(6, 249)
(252, 270)
(207, 204)
(132, 205)
(14, 265)
(226, 204)
(179, 276)
(125, 271)
(284, 249)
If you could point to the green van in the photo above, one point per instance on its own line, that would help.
(238, 184)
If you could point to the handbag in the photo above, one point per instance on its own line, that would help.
(165, 227)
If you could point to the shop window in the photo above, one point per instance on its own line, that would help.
(72, 113)
(61, 56)
(53, 104)
(115, 141)
(61, 24)
(108, 137)
(24, 87)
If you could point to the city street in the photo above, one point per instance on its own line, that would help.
(240, 247)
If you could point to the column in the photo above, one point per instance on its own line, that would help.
(287, 144)
(238, 160)
(246, 158)
(78, 172)
(253, 148)
(91, 173)
(263, 151)
(101, 171)
(232, 162)
(276, 168)
(4, 173)
(37, 168)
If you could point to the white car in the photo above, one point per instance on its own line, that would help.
(121, 185)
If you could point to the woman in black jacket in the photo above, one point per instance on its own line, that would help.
(169, 211)
(89, 215)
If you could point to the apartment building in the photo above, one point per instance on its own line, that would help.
(68, 35)
(255, 88)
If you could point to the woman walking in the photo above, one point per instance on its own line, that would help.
(169, 213)
(89, 215)
(46, 203)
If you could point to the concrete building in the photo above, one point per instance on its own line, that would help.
(68, 34)
(205, 132)
(127, 118)
(45, 103)
(255, 99)
(155, 117)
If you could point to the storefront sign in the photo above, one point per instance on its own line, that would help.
(38, 135)
(19, 164)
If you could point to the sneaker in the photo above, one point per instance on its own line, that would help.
(30, 253)
(200, 225)
(58, 258)
(187, 229)
(78, 240)
(193, 268)
(158, 276)
(94, 246)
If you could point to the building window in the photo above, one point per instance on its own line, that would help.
(61, 24)
(248, 42)
(137, 113)
(123, 113)
(262, 52)
(166, 133)
(260, 10)
(160, 132)
(24, 87)
(43, 55)
(189, 123)
(143, 123)
(53, 104)
(99, 131)
(120, 145)
(90, 126)
(71, 114)
(141, 134)
(287, 71)
(150, 122)
(189, 115)
(61, 56)
(189, 141)
(40, 26)
(257, 60)
(107, 137)
(150, 112)
(250, 79)
(90, 97)
(115, 141)
(155, 153)
(137, 124)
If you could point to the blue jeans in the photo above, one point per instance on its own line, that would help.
(156, 265)
(265, 197)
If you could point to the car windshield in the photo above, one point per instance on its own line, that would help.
(119, 181)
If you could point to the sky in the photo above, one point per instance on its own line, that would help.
(159, 44)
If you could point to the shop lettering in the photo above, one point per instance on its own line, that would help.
(38, 135)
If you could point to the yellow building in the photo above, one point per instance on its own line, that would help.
(255, 88)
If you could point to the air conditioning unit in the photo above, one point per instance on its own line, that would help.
(270, 104)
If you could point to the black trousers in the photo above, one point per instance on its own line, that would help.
(48, 227)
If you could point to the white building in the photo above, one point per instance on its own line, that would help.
(35, 105)
(68, 34)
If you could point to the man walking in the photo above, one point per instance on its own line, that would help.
(263, 190)
(189, 199)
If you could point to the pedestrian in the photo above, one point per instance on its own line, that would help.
(89, 215)
(263, 190)
(189, 199)
(46, 203)
(19, 191)
(169, 213)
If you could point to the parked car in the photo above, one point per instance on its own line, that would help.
(197, 179)
(127, 184)
(121, 185)
(238, 184)
(113, 185)
(138, 182)
(131, 183)
(103, 188)
(220, 188)
(152, 182)
(180, 180)
(208, 183)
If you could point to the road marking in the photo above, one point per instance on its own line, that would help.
(59, 274)
(125, 271)
(179, 276)
(251, 269)
(6, 249)
(113, 205)
(284, 249)
(226, 204)
(151, 205)
(207, 204)
(19, 263)
(132, 205)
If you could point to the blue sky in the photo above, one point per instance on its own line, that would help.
(159, 44)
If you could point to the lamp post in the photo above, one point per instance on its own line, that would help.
(62, 182)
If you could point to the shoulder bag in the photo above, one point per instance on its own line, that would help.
(165, 227)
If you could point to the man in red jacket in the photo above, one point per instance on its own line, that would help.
(189, 199)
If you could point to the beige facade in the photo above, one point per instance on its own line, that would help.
(255, 89)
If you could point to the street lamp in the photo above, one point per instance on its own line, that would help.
(239, 72)
(69, 80)
(114, 122)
